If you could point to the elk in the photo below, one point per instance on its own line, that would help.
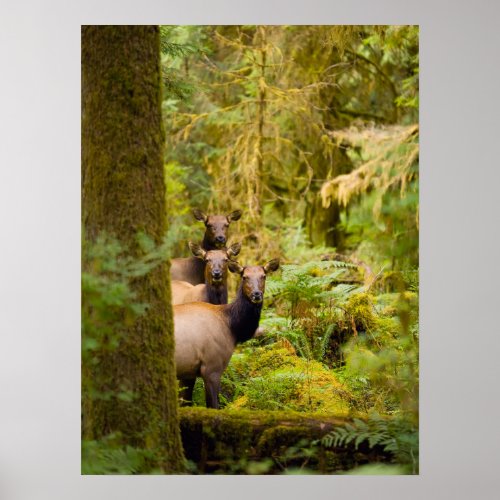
(206, 334)
(214, 290)
(192, 269)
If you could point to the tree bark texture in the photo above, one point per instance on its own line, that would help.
(123, 193)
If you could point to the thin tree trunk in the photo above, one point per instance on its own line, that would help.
(122, 194)
(256, 179)
(262, 113)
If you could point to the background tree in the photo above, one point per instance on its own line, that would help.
(313, 132)
(133, 385)
(267, 128)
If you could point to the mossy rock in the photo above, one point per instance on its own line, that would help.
(264, 359)
(360, 307)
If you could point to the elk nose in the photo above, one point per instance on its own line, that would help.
(217, 275)
(220, 239)
(256, 296)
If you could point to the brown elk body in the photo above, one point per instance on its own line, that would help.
(214, 290)
(191, 269)
(206, 334)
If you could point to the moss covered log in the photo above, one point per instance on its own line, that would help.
(123, 194)
(234, 441)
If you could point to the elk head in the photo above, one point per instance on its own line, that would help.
(216, 261)
(215, 228)
(253, 278)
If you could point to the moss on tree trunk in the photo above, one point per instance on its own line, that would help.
(123, 194)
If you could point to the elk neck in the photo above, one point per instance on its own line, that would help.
(207, 245)
(198, 267)
(217, 294)
(244, 317)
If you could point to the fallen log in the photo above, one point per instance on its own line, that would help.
(369, 277)
(266, 442)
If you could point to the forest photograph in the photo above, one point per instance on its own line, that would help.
(250, 249)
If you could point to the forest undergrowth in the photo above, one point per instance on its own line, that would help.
(334, 344)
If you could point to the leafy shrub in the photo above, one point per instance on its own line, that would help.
(276, 391)
(388, 358)
(182, 186)
(307, 299)
(109, 456)
(109, 305)
(273, 377)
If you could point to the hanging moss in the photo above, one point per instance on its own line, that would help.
(323, 224)
(123, 195)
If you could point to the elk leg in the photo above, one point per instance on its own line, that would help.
(212, 389)
(187, 387)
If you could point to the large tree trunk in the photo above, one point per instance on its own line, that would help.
(123, 193)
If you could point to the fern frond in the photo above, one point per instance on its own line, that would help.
(396, 436)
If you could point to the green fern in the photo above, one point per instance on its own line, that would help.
(174, 49)
(110, 456)
(324, 341)
(397, 436)
(311, 304)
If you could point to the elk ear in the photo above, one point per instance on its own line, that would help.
(199, 215)
(197, 251)
(271, 266)
(234, 267)
(234, 250)
(234, 216)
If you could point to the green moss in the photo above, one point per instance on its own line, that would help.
(360, 308)
(273, 377)
(275, 440)
(228, 440)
